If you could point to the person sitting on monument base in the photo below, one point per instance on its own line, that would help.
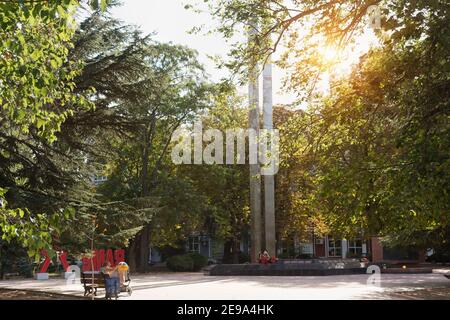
(264, 257)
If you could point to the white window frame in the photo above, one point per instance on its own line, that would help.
(352, 245)
(192, 242)
(332, 247)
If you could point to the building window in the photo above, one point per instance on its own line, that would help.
(306, 248)
(355, 247)
(100, 179)
(334, 247)
(194, 244)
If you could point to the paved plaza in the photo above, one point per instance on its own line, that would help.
(181, 286)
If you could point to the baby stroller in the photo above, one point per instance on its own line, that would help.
(124, 278)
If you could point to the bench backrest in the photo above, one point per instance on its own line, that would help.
(86, 278)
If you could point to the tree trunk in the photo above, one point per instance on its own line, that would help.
(1, 262)
(227, 246)
(131, 256)
(236, 251)
(144, 249)
(92, 256)
(140, 249)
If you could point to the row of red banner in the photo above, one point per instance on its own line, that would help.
(99, 259)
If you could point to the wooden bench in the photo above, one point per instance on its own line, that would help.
(90, 287)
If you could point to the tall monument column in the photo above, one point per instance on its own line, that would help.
(269, 181)
(255, 170)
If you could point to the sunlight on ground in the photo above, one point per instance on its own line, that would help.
(198, 286)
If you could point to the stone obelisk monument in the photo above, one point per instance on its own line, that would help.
(255, 169)
(260, 237)
(269, 183)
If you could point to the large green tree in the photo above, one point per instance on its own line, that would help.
(36, 96)
(388, 130)
(145, 90)
(377, 144)
(225, 187)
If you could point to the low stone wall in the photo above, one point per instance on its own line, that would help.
(407, 270)
(324, 263)
(283, 268)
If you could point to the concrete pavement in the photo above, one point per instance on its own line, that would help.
(180, 286)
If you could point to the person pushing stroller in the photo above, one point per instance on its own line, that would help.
(111, 281)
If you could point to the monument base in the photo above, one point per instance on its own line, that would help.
(42, 276)
(407, 271)
(67, 275)
(316, 267)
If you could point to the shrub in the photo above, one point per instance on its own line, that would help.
(181, 263)
(244, 257)
(14, 259)
(25, 267)
(199, 261)
(187, 262)
(440, 257)
(166, 252)
(285, 255)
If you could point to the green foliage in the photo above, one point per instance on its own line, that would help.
(244, 257)
(99, 4)
(33, 231)
(52, 141)
(223, 188)
(36, 96)
(182, 211)
(387, 156)
(181, 263)
(199, 260)
(187, 262)
(14, 259)
(36, 83)
(372, 156)
(296, 184)
(145, 90)
(293, 29)
(440, 256)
